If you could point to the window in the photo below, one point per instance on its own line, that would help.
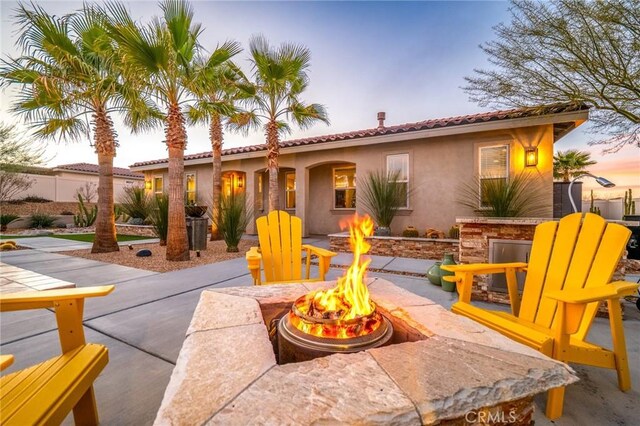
(191, 188)
(494, 167)
(290, 190)
(157, 185)
(344, 188)
(399, 163)
(260, 195)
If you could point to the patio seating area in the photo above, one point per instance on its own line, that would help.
(144, 322)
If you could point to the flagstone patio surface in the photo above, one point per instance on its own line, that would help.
(145, 320)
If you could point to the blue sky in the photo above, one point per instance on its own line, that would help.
(406, 58)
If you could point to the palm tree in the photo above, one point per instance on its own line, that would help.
(164, 52)
(280, 77)
(571, 163)
(69, 71)
(217, 91)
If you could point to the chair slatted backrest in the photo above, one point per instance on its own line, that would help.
(280, 236)
(573, 253)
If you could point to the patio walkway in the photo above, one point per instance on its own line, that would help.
(144, 320)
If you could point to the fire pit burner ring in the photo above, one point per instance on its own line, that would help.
(295, 345)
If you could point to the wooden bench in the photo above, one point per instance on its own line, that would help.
(45, 393)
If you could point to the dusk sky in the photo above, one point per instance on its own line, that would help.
(406, 58)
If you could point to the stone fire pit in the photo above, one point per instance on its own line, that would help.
(440, 369)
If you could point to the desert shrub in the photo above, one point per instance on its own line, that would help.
(85, 217)
(159, 216)
(6, 219)
(410, 232)
(233, 219)
(135, 203)
(454, 232)
(42, 220)
(383, 196)
(12, 184)
(35, 199)
(515, 197)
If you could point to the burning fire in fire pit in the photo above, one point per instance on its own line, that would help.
(341, 319)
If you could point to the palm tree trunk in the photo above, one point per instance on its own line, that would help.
(215, 133)
(176, 135)
(105, 240)
(273, 151)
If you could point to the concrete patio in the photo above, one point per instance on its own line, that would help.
(143, 323)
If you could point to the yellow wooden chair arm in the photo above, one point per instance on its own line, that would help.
(324, 259)
(484, 268)
(613, 290)
(47, 298)
(5, 361)
(254, 259)
(318, 251)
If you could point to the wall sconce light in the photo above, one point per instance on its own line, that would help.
(147, 185)
(240, 181)
(531, 157)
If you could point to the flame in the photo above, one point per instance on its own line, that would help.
(349, 301)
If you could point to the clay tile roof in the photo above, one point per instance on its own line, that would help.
(94, 169)
(397, 129)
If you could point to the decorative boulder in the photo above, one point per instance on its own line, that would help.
(136, 221)
(143, 253)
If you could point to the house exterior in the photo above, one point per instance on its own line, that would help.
(319, 176)
(60, 183)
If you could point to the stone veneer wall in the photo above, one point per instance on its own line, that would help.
(417, 248)
(474, 247)
(139, 230)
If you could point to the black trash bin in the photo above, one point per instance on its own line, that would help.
(197, 228)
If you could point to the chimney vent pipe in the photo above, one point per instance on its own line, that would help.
(381, 117)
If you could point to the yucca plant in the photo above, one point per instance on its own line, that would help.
(499, 197)
(159, 215)
(382, 196)
(42, 220)
(135, 203)
(233, 219)
(6, 219)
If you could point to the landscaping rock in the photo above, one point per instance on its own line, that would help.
(136, 221)
(143, 253)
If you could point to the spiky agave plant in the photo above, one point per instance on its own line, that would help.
(518, 196)
(159, 215)
(382, 196)
(233, 218)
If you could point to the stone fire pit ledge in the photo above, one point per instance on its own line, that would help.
(441, 367)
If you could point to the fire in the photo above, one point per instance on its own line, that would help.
(344, 311)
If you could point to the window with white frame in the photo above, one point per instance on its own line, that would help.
(493, 168)
(158, 185)
(290, 190)
(190, 187)
(399, 163)
(344, 188)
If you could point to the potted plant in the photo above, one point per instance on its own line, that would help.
(382, 197)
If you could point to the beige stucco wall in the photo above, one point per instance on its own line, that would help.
(63, 186)
(438, 168)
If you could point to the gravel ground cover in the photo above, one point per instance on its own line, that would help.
(216, 252)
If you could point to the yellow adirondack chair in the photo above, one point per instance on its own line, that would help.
(568, 275)
(45, 393)
(280, 251)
